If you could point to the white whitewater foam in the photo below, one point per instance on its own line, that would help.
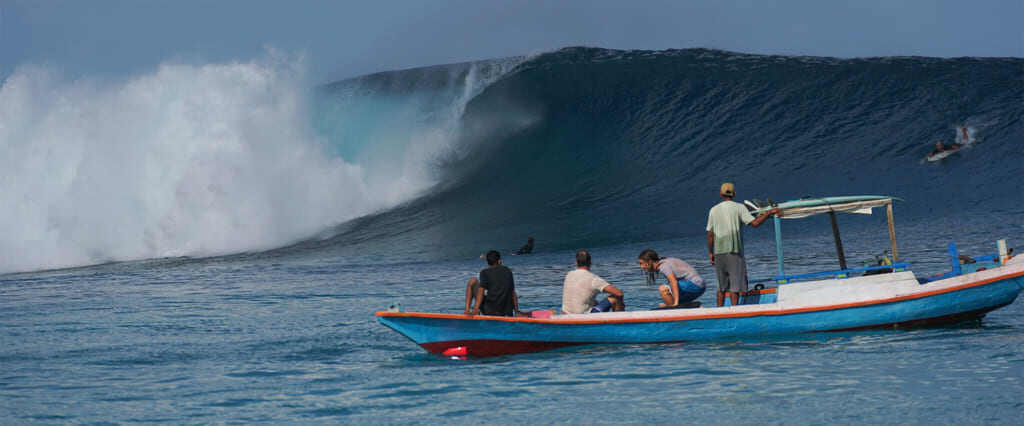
(189, 160)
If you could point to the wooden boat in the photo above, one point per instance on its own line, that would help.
(847, 299)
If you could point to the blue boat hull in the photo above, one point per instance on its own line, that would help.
(488, 336)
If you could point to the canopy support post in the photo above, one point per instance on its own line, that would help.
(892, 233)
(778, 243)
(839, 241)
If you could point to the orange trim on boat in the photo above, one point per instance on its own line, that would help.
(700, 317)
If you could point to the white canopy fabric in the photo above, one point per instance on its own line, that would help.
(860, 207)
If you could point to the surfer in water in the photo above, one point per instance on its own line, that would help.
(526, 248)
(940, 147)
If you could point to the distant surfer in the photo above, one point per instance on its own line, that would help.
(526, 248)
(725, 243)
(941, 147)
(495, 292)
(942, 150)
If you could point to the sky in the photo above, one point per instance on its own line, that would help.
(346, 38)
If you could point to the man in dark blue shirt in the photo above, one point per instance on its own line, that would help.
(495, 292)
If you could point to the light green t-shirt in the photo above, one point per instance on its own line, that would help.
(724, 220)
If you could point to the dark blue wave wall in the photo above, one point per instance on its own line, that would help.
(585, 146)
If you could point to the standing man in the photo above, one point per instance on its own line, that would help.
(581, 286)
(725, 243)
(495, 292)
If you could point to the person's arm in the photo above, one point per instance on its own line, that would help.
(674, 285)
(619, 301)
(478, 296)
(470, 292)
(761, 217)
(515, 298)
(479, 300)
(711, 246)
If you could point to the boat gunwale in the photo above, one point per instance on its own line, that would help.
(691, 317)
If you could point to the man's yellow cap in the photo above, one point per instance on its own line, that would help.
(728, 189)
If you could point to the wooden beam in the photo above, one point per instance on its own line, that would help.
(892, 234)
(839, 241)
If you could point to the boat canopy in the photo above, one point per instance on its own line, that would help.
(798, 209)
(804, 207)
(860, 207)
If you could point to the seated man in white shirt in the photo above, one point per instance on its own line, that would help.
(581, 287)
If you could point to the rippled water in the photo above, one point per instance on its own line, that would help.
(265, 339)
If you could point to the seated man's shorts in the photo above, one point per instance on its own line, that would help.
(603, 306)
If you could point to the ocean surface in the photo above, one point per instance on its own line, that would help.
(209, 243)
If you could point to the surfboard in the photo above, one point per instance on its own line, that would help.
(821, 201)
(940, 155)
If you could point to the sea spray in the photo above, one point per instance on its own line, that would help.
(187, 160)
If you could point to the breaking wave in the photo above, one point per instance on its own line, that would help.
(578, 147)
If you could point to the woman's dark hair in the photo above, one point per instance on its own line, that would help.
(583, 258)
(650, 256)
(493, 257)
